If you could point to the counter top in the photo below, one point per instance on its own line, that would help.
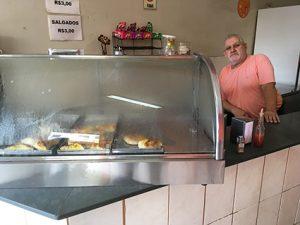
(59, 203)
(277, 136)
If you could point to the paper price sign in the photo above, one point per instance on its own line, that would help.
(63, 6)
(62, 28)
(75, 137)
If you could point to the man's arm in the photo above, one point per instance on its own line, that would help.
(233, 109)
(270, 97)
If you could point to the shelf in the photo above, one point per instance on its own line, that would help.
(148, 39)
(131, 44)
(139, 47)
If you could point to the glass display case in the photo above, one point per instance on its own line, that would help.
(106, 120)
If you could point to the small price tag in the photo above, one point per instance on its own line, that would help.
(75, 137)
(63, 6)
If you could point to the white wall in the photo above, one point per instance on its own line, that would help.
(278, 36)
(205, 23)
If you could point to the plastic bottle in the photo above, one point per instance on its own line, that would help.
(259, 132)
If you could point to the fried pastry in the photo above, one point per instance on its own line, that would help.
(19, 147)
(148, 144)
(133, 139)
(106, 128)
(72, 147)
(36, 144)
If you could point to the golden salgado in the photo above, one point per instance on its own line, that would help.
(133, 139)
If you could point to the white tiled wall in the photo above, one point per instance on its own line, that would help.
(248, 183)
(186, 208)
(11, 215)
(36, 219)
(273, 176)
(219, 197)
(246, 216)
(109, 215)
(262, 191)
(268, 211)
(297, 220)
(289, 206)
(148, 209)
(224, 221)
(292, 177)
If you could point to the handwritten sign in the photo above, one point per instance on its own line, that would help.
(63, 6)
(62, 28)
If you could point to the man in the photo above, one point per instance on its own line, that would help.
(248, 83)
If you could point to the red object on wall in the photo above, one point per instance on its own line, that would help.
(243, 8)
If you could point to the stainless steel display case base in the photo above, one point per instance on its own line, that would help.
(74, 171)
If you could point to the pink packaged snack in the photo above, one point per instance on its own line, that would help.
(119, 34)
(121, 26)
(147, 35)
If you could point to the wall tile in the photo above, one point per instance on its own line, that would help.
(289, 205)
(36, 219)
(224, 221)
(292, 177)
(273, 176)
(109, 215)
(219, 197)
(248, 183)
(297, 220)
(186, 204)
(268, 211)
(148, 208)
(11, 215)
(246, 216)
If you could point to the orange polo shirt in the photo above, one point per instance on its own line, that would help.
(241, 86)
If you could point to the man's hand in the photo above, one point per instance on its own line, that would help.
(270, 96)
(271, 117)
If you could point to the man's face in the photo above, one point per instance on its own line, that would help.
(235, 51)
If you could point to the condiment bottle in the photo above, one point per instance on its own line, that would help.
(259, 132)
(240, 148)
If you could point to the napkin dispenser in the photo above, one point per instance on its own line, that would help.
(241, 127)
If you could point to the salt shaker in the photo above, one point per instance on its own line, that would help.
(240, 148)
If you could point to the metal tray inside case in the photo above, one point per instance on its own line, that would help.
(136, 124)
(100, 128)
(27, 134)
